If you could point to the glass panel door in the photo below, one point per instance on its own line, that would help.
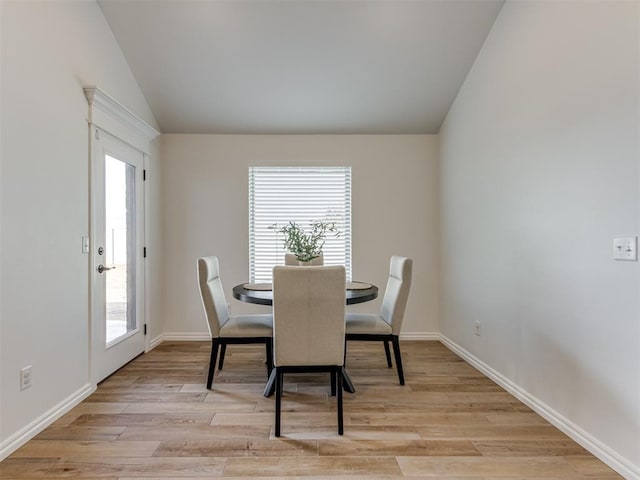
(117, 323)
(120, 248)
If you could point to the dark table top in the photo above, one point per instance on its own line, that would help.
(265, 297)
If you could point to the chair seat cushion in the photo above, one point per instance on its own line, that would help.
(367, 323)
(248, 326)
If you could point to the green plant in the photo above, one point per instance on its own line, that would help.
(307, 245)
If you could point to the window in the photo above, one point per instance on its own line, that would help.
(278, 195)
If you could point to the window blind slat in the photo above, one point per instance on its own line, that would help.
(278, 195)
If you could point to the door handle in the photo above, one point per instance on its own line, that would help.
(102, 268)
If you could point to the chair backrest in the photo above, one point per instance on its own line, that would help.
(308, 315)
(291, 260)
(396, 292)
(212, 294)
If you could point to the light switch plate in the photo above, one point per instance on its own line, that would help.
(625, 248)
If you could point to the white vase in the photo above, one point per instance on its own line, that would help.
(291, 259)
(316, 262)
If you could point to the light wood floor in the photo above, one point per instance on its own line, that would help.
(155, 419)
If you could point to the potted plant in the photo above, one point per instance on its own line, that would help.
(307, 245)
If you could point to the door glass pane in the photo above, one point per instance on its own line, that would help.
(119, 248)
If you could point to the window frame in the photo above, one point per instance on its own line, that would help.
(279, 191)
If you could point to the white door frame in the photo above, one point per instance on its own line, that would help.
(108, 357)
(108, 115)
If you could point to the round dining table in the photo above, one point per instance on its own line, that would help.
(262, 294)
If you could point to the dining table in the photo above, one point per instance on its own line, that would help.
(262, 294)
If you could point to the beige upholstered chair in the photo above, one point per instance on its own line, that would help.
(386, 325)
(224, 328)
(291, 260)
(309, 326)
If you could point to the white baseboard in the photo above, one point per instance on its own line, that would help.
(155, 342)
(186, 337)
(420, 336)
(620, 464)
(25, 434)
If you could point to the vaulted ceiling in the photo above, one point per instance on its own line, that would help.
(371, 67)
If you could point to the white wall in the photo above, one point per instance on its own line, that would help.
(539, 172)
(49, 50)
(394, 201)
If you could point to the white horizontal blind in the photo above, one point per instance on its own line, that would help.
(278, 195)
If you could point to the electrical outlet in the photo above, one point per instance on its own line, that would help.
(25, 377)
(478, 328)
(625, 249)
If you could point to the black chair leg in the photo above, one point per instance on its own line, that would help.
(396, 352)
(388, 353)
(279, 382)
(333, 384)
(269, 349)
(344, 359)
(223, 350)
(212, 362)
(338, 385)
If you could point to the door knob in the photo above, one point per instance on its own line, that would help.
(102, 268)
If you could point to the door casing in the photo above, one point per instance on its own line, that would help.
(103, 359)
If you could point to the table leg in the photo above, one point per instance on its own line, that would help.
(347, 384)
(269, 388)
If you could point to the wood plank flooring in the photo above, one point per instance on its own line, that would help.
(155, 419)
